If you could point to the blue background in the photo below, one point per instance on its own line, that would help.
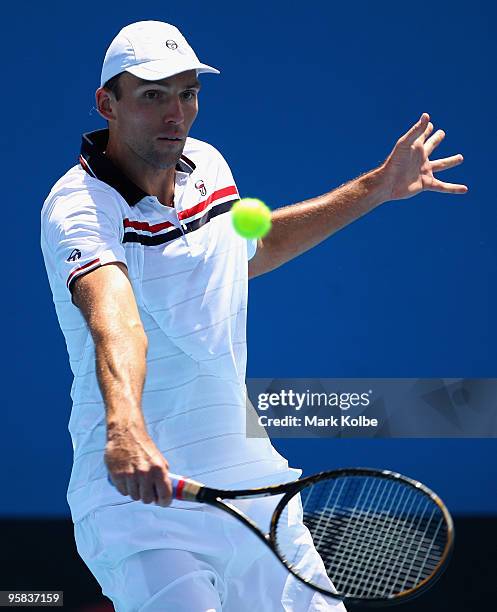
(310, 96)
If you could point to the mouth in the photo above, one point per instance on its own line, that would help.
(164, 138)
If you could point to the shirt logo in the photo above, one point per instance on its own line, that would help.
(201, 187)
(171, 44)
(75, 254)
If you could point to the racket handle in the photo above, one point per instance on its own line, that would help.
(183, 488)
(177, 483)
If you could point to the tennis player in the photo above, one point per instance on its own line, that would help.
(149, 283)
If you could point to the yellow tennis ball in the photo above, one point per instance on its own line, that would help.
(251, 218)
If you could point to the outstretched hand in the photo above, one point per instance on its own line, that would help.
(408, 169)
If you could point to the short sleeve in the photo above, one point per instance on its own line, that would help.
(83, 231)
(251, 248)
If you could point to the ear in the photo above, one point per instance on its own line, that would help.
(104, 103)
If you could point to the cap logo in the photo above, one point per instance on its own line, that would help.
(171, 44)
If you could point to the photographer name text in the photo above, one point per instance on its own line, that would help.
(315, 421)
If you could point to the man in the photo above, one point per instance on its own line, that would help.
(150, 287)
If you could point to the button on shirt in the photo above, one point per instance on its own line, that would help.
(189, 273)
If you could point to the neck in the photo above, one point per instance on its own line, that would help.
(155, 181)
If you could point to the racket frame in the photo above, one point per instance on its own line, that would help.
(406, 595)
(194, 491)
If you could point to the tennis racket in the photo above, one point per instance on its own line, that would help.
(383, 538)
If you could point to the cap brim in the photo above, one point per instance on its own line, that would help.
(162, 69)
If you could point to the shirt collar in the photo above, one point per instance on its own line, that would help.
(95, 163)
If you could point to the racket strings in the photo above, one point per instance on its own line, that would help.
(374, 529)
(376, 537)
(383, 556)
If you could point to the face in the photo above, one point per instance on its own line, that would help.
(153, 118)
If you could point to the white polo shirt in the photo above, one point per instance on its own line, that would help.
(189, 273)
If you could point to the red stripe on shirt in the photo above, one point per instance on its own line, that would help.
(146, 227)
(216, 195)
(90, 263)
(143, 226)
(82, 161)
(85, 166)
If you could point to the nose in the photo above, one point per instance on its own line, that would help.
(174, 112)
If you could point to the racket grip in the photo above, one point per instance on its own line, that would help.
(183, 488)
(177, 483)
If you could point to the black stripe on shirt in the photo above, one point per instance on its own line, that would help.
(148, 240)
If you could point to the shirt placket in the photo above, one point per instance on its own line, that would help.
(180, 189)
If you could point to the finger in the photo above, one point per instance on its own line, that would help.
(164, 491)
(133, 489)
(434, 141)
(146, 487)
(447, 162)
(427, 132)
(120, 484)
(442, 187)
(417, 129)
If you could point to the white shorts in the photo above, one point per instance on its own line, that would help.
(150, 559)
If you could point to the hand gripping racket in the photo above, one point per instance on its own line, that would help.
(383, 538)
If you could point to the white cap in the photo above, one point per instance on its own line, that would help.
(151, 50)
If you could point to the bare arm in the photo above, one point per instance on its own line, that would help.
(298, 228)
(406, 172)
(106, 300)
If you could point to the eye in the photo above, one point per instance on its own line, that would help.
(190, 94)
(152, 94)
